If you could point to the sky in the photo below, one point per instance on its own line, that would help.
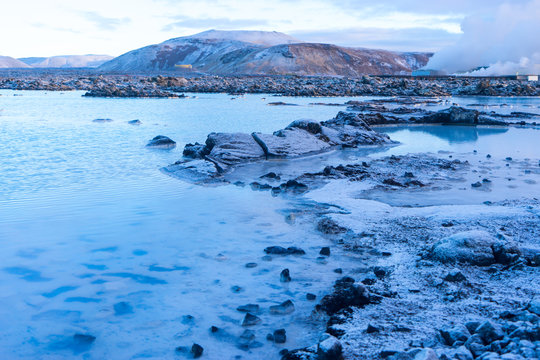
(112, 27)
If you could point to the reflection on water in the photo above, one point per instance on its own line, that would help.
(452, 134)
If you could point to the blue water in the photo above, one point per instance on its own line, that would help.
(96, 240)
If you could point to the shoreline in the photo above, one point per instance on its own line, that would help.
(101, 85)
(434, 269)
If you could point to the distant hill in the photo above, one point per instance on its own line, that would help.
(9, 62)
(260, 52)
(67, 61)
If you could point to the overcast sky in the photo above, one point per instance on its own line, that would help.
(59, 27)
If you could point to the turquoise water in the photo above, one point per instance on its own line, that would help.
(88, 221)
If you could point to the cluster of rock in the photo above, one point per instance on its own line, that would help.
(279, 84)
(515, 335)
(300, 138)
(130, 91)
(375, 112)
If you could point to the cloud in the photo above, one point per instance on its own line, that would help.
(506, 37)
(214, 23)
(414, 39)
(423, 7)
(103, 22)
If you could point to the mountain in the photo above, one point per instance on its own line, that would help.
(67, 61)
(9, 62)
(259, 53)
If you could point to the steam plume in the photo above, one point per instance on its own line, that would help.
(507, 41)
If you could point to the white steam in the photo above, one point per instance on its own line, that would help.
(507, 41)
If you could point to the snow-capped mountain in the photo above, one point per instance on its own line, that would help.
(67, 61)
(260, 52)
(9, 62)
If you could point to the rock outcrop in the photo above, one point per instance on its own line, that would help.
(300, 138)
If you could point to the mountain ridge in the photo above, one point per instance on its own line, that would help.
(264, 53)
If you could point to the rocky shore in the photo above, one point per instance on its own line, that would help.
(446, 281)
(136, 85)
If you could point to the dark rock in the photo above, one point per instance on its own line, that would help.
(504, 253)
(311, 296)
(196, 351)
(338, 271)
(325, 251)
(280, 336)
(452, 116)
(329, 226)
(455, 276)
(161, 141)
(271, 175)
(278, 250)
(372, 329)
(285, 276)
(476, 184)
(122, 308)
(236, 289)
(329, 349)
(345, 294)
(284, 308)
(195, 151)
(249, 308)
(250, 320)
(457, 333)
(490, 332)
(134, 122)
(251, 265)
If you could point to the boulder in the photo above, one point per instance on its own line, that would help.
(452, 116)
(329, 348)
(162, 142)
(346, 293)
(471, 247)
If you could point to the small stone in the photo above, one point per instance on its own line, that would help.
(447, 224)
(196, 351)
(250, 308)
(284, 308)
(490, 332)
(455, 276)
(251, 265)
(488, 156)
(285, 276)
(457, 333)
(250, 320)
(283, 352)
(161, 141)
(372, 329)
(270, 337)
(329, 349)
(214, 329)
(476, 184)
(248, 335)
(408, 175)
(325, 251)
(338, 271)
(135, 122)
(236, 289)
(386, 253)
(369, 281)
(280, 336)
(311, 296)
(122, 308)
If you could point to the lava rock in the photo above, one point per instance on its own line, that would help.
(196, 351)
(162, 142)
(325, 251)
(280, 336)
(249, 308)
(472, 247)
(346, 293)
(284, 308)
(250, 320)
(285, 276)
(329, 348)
